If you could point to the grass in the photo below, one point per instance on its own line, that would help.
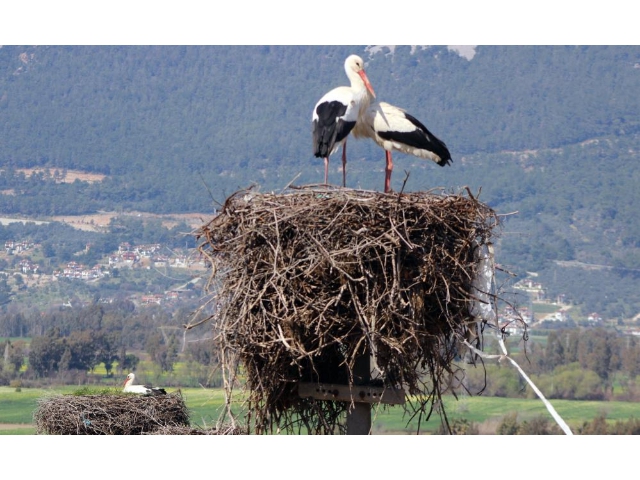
(18, 407)
(492, 410)
(545, 308)
(27, 340)
(205, 405)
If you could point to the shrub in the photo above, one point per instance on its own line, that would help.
(17, 384)
(509, 425)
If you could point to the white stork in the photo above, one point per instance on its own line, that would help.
(394, 129)
(129, 387)
(336, 113)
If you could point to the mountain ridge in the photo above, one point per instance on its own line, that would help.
(552, 132)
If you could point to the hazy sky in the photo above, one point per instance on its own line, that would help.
(466, 51)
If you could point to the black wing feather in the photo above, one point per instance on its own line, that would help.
(327, 130)
(432, 142)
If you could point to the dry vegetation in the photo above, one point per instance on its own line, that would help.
(100, 221)
(178, 430)
(64, 176)
(308, 280)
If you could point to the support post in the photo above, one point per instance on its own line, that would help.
(359, 415)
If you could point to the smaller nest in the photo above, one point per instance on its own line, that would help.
(109, 414)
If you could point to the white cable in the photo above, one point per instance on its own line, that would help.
(565, 428)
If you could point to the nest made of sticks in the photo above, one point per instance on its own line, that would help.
(307, 280)
(106, 414)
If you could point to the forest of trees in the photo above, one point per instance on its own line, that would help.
(167, 123)
(139, 109)
(548, 134)
(72, 342)
(572, 364)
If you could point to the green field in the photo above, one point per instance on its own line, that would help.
(205, 405)
(545, 308)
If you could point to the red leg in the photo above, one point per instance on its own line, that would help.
(387, 172)
(326, 170)
(344, 163)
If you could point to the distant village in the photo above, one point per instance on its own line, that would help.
(537, 293)
(155, 256)
(146, 256)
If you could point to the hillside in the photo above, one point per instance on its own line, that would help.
(552, 133)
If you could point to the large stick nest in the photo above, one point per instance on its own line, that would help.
(106, 414)
(307, 280)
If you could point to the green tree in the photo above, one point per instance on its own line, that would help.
(106, 349)
(554, 352)
(65, 360)
(572, 341)
(164, 354)
(572, 382)
(168, 355)
(18, 279)
(46, 352)
(82, 350)
(130, 362)
(202, 352)
(631, 357)
(17, 354)
(599, 359)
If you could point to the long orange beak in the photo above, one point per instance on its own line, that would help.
(367, 84)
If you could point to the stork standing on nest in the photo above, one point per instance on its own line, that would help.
(129, 387)
(394, 129)
(337, 112)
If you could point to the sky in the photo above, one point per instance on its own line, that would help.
(288, 22)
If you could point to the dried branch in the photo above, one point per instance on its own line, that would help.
(309, 278)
